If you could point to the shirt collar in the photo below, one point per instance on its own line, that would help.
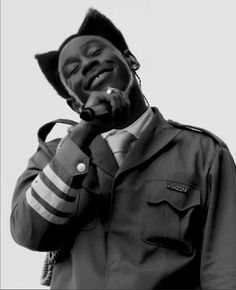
(137, 127)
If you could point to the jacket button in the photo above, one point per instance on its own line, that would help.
(81, 167)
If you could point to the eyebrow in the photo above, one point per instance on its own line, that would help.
(86, 45)
(83, 48)
(69, 60)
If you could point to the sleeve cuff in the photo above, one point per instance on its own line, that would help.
(72, 161)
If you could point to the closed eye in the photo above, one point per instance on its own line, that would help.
(94, 52)
(73, 70)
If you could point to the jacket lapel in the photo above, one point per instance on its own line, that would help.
(158, 134)
(103, 156)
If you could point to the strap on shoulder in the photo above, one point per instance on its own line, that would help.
(46, 129)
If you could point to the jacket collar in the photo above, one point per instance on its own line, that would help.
(137, 127)
(156, 136)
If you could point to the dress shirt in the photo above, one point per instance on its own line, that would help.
(136, 128)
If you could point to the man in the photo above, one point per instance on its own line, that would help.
(159, 214)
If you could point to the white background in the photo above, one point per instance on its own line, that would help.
(187, 51)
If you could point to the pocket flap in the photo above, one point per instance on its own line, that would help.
(180, 195)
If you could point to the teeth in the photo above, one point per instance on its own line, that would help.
(98, 77)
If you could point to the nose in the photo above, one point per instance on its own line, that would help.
(89, 64)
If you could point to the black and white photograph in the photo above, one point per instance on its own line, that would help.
(118, 144)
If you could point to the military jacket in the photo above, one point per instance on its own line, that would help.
(166, 219)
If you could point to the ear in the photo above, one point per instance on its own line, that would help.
(131, 60)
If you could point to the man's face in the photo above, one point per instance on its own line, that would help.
(91, 63)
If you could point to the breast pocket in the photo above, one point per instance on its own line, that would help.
(170, 214)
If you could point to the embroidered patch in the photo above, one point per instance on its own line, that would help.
(177, 187)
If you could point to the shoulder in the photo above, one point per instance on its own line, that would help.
(197, 130)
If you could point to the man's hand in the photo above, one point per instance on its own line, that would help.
(117, 103)
(119, 107)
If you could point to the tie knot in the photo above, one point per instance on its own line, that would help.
(120, 142)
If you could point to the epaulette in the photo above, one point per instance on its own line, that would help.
(199, 130)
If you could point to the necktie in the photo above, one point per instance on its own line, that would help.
(120, 144)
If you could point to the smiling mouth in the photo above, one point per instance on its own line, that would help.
(97, 79)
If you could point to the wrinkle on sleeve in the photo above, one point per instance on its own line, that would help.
(218, 261)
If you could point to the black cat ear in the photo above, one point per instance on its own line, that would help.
(95, 23)
(48, 63)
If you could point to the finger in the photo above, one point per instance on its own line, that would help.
(122, 94)
(96, 98)
(123, 100)
(119, 105)
(114, 102)
(111, 90)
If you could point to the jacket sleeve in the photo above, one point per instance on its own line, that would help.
(46, 195)
(218, 262)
